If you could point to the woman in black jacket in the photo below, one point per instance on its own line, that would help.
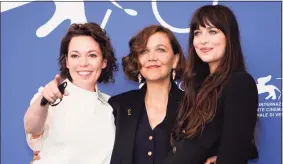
(219, 111)
(145, 117)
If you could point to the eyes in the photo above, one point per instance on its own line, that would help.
(74, 56)
(210, 32)
(158, 49)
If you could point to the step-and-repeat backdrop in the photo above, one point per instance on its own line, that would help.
(30, 40)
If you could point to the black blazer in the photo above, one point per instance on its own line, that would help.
(229, 135)
(127, 107)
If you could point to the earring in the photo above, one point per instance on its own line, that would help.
(173, 74)
(139, 78)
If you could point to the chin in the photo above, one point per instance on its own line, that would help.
(84, 81)
(153, 79)
(206, 59)
(159, 78)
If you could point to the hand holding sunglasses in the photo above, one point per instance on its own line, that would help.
(54, 90)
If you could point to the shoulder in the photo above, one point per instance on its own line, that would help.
(240, 79)
(104, 96)
(125, 96)
(123, 100)
(176, 91)
(241, 83)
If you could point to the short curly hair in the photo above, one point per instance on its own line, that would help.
(137, 44)
(100, 36)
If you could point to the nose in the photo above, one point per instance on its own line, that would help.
(152, 56)
(83, 61)
(203, 39)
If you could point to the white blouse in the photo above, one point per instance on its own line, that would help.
(80, 130)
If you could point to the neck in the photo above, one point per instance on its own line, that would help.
(157, 92)
(213, 66)
(87, 87)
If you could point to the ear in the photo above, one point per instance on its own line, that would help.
(104, 63)
(176, 60)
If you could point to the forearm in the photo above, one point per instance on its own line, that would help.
(35, 117)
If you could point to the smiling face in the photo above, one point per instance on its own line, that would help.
(158, 59)
(85, 61)
(209, 43)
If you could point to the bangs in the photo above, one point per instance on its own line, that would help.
(207, 17)
(140, 46)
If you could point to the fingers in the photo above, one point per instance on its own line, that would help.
(211, 160)
(49, 95)
(57, 79)
(56, 92)
(36, 155)
(51, 91)
(66, 93)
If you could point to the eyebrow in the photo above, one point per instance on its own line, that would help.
(161, 45)
(208, 27)
(87, 52)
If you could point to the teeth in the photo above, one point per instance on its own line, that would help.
(84, 73)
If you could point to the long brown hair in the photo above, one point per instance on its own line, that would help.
(202, 89)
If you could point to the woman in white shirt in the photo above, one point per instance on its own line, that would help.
(80, 129)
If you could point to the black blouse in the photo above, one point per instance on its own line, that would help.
(151, 145)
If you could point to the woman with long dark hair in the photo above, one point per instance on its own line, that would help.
(219, 110)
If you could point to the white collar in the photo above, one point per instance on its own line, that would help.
(97, 93)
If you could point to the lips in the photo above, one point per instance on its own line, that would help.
(152, 66)
(84, 73)
(205, 49)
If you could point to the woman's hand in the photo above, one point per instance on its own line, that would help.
(51, 91)
(211, 160)
(35, 156)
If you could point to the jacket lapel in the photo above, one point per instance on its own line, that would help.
(133, 111)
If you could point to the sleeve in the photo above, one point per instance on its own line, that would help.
(35, 142)
(240, 115)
